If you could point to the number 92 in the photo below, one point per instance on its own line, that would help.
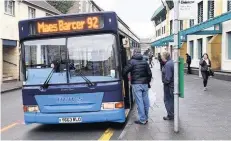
(93, 22)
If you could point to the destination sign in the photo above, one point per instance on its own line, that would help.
(69, 25)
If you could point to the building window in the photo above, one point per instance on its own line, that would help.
(10, 7)
(210, 9)
(181, 24)
(31, 12)
(200, 12)
(164, 29)
(191, 22)
(92, 8)
(84, 6)
(229, 45)
(200, 45)
(191, 48)
(171, 26)
(89, 7)
(229, 5)
(47, 14)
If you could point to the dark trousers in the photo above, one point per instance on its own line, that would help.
(169, 100)
(189, 68)
(150, 63)
(205, 75)
(161, 66)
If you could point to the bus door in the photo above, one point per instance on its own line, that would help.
(126, 81)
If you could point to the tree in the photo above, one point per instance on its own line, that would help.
(63, 6)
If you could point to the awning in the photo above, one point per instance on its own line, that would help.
(197, 29)
(9, 43)
(157, 12)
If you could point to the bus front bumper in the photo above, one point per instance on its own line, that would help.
(87, 117)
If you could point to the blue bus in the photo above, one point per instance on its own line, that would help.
(71, 67)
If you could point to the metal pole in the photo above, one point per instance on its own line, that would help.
(176, 66)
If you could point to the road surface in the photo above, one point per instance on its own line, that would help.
(13, 128)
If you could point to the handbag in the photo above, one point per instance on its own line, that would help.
(211, 73)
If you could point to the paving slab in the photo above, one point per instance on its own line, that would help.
(203, 114)
(10, 86)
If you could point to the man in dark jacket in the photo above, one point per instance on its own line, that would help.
(140, 78)
(188, 61)
(168, 81)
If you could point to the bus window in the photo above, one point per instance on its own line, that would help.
(94, 56)
(41, 56)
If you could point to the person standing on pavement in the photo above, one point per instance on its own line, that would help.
(205, 68)
(150, 59)
(140, 78)
(188, 61)
(160, 61)
(168, 82)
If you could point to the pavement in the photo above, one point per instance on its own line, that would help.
(204, 115)
(10, 86)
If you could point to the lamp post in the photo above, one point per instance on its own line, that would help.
(176, 65)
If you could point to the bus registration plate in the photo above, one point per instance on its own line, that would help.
(70, 120)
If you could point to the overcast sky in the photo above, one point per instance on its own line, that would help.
(135, 13)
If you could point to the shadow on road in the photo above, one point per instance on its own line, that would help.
(88, 127)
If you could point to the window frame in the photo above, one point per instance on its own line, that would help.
(228, 46)
(30, 9)
(228, 5)
(210, 9)
(171, 27)
(48, 14)
(84, 6)
(10, 12)
(200, 12)
(181, 25)
(191, 22)
(191, 46)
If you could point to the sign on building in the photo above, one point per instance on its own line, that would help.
(187, 9)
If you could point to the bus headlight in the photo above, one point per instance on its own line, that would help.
(31, 108)
(112, 105)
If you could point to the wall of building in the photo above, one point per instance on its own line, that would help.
(83, 6)
(195, 38)
(226, 27)
(156, 28)
(9, 31)
(219, 5)
(219, 56)
(10, 25)
(1, 61)
(159, 26)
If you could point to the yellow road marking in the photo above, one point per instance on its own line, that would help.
(9, 126)
(107, 135)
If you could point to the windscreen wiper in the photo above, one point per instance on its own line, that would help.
(89, 83)
(46, 83)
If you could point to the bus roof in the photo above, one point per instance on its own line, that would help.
(67, 15)
(29, 28)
